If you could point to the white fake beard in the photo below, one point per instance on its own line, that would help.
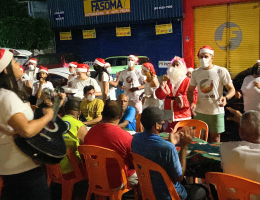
(176, 74)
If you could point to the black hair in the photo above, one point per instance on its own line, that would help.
(99, 71)
(112, 111)
(46, 79)
(8, 82)
(88, 88)
(72, 104)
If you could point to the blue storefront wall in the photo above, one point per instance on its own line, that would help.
(143, 41)
(72, 12)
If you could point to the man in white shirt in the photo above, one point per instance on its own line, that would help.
(210, 80)
(83, 80)
(242, 158)
(33, 70)
(133, 83)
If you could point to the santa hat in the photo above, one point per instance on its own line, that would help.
(134, 57)
(73, 64)
(148, 67)
(33, 60)
(179, 60)
(82, 68)
(22, 69)
(5, 59)
(206, 49)
(43, 69)
(107, 65)
(100, 61)
(190, 69)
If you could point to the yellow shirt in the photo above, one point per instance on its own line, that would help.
(71, 141)
(93, 109)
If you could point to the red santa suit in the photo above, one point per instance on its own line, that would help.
(181, 111)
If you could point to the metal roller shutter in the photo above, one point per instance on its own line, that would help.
(210, 29)
(244, 36)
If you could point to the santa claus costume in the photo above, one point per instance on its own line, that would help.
(175, 91)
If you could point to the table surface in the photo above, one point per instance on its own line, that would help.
(202, 157)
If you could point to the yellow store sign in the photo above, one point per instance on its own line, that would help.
(88, 34)
(163, 29)
(123, 31)
(65, 36)
(105, 7)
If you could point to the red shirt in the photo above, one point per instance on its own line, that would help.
(117, 139)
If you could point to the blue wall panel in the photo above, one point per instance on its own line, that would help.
(141, 10)
(143, 41)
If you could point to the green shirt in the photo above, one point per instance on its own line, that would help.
(71, 140)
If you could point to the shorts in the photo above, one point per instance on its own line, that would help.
(216, 123)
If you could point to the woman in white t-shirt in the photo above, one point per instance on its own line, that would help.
(151, 84)
(104, 80)
(23, 178)
(42, 83)
(251, 89)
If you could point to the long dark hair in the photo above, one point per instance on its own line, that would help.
(99, 72)
(46, 79)
(8, 82)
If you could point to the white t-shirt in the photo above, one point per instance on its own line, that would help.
(36, 86)
(151, 101)
(32, 74)
(80, 84)
(111, 90)
(241, 159)
(12, 159)
(251, 94)
(132, 79)
(210, 88)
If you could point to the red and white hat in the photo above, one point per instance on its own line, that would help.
(5, 59)
(148, 67)
(206, 49)
(100, 61)
(82, 68)
(134, 57)
(190, 69)
(179, 60)
(43, 69)
(22, 69)
(73, 64)
(33, 60)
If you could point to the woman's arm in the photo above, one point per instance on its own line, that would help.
(105, 92)
(26, 128)
(39, 92)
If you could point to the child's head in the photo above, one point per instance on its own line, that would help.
(43, 73)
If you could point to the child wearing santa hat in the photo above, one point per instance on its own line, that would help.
(72, 70)
(83, 80)
(16, 118)
(42, 77)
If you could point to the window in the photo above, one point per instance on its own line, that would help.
(72, 58)
(112, 61)
(48, 59)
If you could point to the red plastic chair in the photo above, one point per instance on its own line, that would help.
(95, 160)
(231, 186)
(199, 125)
(143, 167)
(55, 175)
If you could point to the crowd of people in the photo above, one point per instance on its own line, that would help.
(96, 116)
